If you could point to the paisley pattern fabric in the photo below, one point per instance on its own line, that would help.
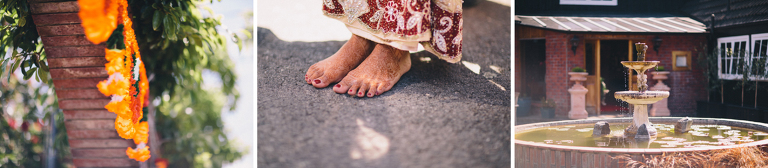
(404, 24)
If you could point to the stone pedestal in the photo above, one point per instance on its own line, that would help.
(659, 108)
(578, 93)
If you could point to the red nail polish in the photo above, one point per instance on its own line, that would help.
(337, 85)
(377, 93)
(350, 90)
(317, 81)
(370, 94)
(360, 93)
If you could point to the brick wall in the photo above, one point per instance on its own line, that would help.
(76, 66)
(687, 86)
(560, 60)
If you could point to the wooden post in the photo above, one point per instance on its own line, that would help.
(76, 66)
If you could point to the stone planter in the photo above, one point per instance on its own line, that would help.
(660, 108)
(547, 112)
(578, 93)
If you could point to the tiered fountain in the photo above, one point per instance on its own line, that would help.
(642, 97)
(592, 142)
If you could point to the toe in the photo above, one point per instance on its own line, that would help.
(341, 88)
(314, 76)
(353, 89)
(383, 87)
(363, 89)
(320, 82)
(310, 73)
(372, 90)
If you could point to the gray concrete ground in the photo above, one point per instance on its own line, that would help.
(438, 114)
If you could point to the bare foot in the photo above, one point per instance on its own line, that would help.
(335, 67)
(377, 74)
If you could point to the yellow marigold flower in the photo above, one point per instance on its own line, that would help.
(99, 19)
(140, 155)
(142, 133)
(124, 127)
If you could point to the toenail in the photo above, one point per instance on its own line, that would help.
(317, 81)
(359, 93)
(350, 90)
(377, 93)
(337, 85)
(370, 94)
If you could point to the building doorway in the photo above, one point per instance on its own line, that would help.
(533, 69)
(613, 74)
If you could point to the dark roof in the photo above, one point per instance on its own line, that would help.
(727, 12)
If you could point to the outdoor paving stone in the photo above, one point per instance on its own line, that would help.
(438, 114)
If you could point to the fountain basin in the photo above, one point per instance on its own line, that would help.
(532, 154)
(635, 97)
(640, 65)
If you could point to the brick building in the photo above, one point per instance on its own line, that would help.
(554, 36)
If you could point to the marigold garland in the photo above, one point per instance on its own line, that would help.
(125, 68)
(98, 19)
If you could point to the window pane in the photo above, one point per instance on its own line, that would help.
(764, 47)
(722, 66)
(742, 48)
(756, 48)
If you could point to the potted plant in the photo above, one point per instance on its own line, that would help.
(547, 108)
(660, 73)
(524, 106)
(578, 74)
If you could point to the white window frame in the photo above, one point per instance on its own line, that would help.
(728, 75)
(751, 46)
(589, 2)
(756, 50)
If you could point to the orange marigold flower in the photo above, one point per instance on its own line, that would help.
(99, 19)
(161, 163)
(139, 154)
(120, 106)
(114, 85)
(124, 127)
(142, 133)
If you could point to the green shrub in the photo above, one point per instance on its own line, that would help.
(578, 69)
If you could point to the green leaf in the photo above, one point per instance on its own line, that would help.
(22, 21)
(238, 42)
(43, 74)
(43, 66)
(29, 73)
(156, 20)
(3, 66)
(16, 64)
(39, 47)
(37, 77)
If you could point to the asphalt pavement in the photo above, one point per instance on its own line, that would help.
(438, 115)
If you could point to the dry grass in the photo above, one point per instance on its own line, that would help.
(733, 157)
